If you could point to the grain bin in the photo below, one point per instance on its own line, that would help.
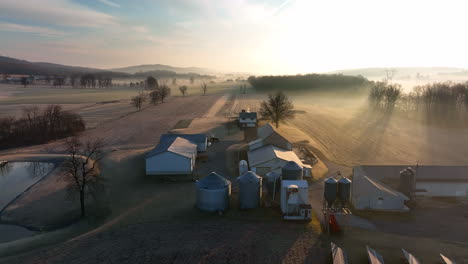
(291, 171)
(330, 191)
(344, 191)
(273, 182)
(243, 167)
(407, 181)
(213, 192)
(250, 190)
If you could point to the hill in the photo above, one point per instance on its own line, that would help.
(16, 66)
(161, 67)
(400, 72)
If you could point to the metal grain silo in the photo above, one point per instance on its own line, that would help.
(330, 191)
(291, 171)
(407, 181)
(213, 192)
(250, 190)
(273, 182)
(344, 191)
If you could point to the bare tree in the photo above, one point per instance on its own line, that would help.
(155, 96)
(183, 90)
(137, 101)
(164, 91)
(204, 87)
(81, 168)
(277, 108)
(174, 81)
(192, 79)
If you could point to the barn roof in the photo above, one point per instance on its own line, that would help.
(432, 173)
(270, 152)
(364, 186)
(176, 145)
(266, 131)
(195, 138)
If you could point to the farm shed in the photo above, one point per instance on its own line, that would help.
(247, 119)
(431, 180)
(270, 158)
(172, 156)
(200, 139)
(267, 135)
(370, 194)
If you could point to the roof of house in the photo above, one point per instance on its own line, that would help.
(270, 152)
(248, 115)
(195, 138)
(364, 185)
(176, 145)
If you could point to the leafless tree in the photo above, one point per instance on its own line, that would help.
(174, 81)
(164, 91)
(192, 79)
(277, 108)
(137, 101)
(151, 83)
(183, 90)
(204, 87)
(155, 96)
(24, 81)
(81, 168)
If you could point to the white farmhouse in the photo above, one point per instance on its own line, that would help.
(247, 119)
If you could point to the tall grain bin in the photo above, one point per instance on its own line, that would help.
(344, 191)
(243, 167)
(407, 181)
(273, 182)
(213, 192)
(330, 191)
(291, 171)
(250, 190)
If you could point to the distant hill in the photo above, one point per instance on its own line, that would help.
(160, 67)
(15, 66)
(400, 72)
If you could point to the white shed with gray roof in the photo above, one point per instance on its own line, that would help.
(172, 156)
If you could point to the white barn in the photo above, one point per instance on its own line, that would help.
(201, 140)
(172, 156)
(270, 158)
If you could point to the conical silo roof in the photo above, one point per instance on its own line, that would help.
(249, 176)
(292, 166)
(213, 181)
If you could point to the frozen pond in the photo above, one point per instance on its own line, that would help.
(16, 177)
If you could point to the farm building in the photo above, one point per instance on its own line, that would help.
(267, 135)
(200, 139)
(371, 194)
(247, 119)
(172, 156)
(270, 158)
(433, 181)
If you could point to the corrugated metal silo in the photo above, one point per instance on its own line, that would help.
(213, 192)
(291, 171)
(344, 190)
(250, 190)
(330, 191)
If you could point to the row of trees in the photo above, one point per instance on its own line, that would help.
(312, 82)
(445, 100)
(38, 126)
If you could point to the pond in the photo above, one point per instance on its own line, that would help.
(17, 177)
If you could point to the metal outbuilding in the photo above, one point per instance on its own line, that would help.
(250, 190)
(213, 193)
(173, 156)
(268, 135)
(270, 158)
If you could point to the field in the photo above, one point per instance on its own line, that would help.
(145, 217)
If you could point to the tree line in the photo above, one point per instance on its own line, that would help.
(37, 126)
(312, 82)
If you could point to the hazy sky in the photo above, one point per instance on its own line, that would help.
(276, 36)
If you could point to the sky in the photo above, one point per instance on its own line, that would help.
(256, 36)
